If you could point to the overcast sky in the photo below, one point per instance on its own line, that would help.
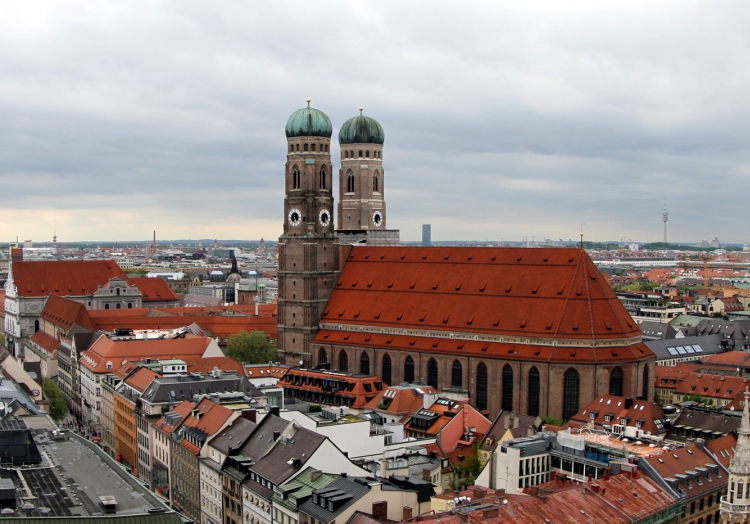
(502, 120)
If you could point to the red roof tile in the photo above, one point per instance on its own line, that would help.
(723, 448)
(141, 379)
(615, 408)
(183, 409)
(65, 277)
(65, 312)
(45, 341)
(153, 289)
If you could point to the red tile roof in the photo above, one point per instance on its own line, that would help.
(2, 302)
(545, 293)
(711, 386)
(206, 364)
(45, 341)
(723, 448)
(141, 379)
(401, 401)
(65, 277)
(105, 350)
(680, 461)
(615, 407)
(153, 289)
(733, 359)
(65, 312)
(183, 409)
(321, 383)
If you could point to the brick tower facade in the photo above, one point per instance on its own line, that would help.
(308, 248)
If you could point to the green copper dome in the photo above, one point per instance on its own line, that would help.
(361, 130)
(308, 122)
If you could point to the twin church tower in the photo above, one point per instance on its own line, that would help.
(309, 247)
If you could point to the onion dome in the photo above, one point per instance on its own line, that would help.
(361, 130)
(308, 122)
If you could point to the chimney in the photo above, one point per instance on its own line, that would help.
(276, 435)
(628, 403)
(516, 421)
(426, 474)
(506, 420)
(594, 488)
(534, 491)
(16, 254)
(250, 414)
(530, 431)
(479, 493)
(490, 513)
(275, 411)
(315, 475)
(380, 511)
(383, 468)
(407, 513)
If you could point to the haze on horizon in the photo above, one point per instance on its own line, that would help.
(502, 120)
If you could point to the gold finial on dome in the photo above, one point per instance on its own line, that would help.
(360, 109)
(308, 102)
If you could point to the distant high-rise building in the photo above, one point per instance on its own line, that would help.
(665, 217)
(426, 235)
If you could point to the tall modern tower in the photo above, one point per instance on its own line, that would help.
(665, 217)
(308, 248)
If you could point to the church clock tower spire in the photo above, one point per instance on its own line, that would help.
(308, 248)
(735, 505)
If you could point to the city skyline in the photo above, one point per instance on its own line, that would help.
(501, 121)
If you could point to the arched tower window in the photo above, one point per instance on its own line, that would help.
(533, 397)
(346, 154)
(297, 147)
(387, 369)
(322, 356)
(367, 154)
(457, 375)
(343, 361)
(646, 385)
(322, 178)
(360, 153)
(432, 373)
(350, 183)
(364, 364)
(571, 388)
(307, 147)
(507, 388)
(481, 387)
(295, 178)
(291, 148)
(409, 370)
(351, 154)
(375, 183)
(615, 382)
(312, 147)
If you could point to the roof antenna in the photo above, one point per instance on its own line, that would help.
(582, 224)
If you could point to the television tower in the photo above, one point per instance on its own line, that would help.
(665, 217)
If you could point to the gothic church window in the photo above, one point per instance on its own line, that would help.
(533, 396)
(432, 373)
(571, 387)
(387, 369)
(615, 382)
(350, 183)
(346, 154)
(409, 370)
(375, 184)
(367, 154)
(297, 147)
(291, 148)
(322, 179)
(646, 385)
(343, 361)
(360, 153)
(306, 147)
(312, 147)
(295, 179)
(364, 364)
(322, 356)
(507, 404)
(481, 387)
(456, 375)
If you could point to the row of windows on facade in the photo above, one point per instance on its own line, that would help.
(375, 154)
(296, 183)
(308, 147)
(571, 381)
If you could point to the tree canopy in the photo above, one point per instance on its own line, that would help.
(58, 408)
(251, 348)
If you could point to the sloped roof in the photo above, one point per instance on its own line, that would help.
(731, 359)
(153, 289)
(275, 465)
(65, 312)
(538, 293)
(705, 420)
(622, 411)
(723, 448)
(711, 386)
(106, 350)
(141, 379)
(233, 435)
(45, 341)
(683, 460)
(405, 400)
(64, 277)
(171, 420)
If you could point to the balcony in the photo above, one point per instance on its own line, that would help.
(734, 509)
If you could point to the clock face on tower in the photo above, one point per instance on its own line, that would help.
(324, 217)
(295, 217)
(377, 218)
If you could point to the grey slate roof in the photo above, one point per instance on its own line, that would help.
(686, 347)
(161, 389)
(274, 466)
(234, 435)
(656, 330)
(342, 492)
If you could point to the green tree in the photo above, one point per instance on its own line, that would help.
(552, 421)
(251, 348)
(57, 406)
(465, 473)
(695, 397)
